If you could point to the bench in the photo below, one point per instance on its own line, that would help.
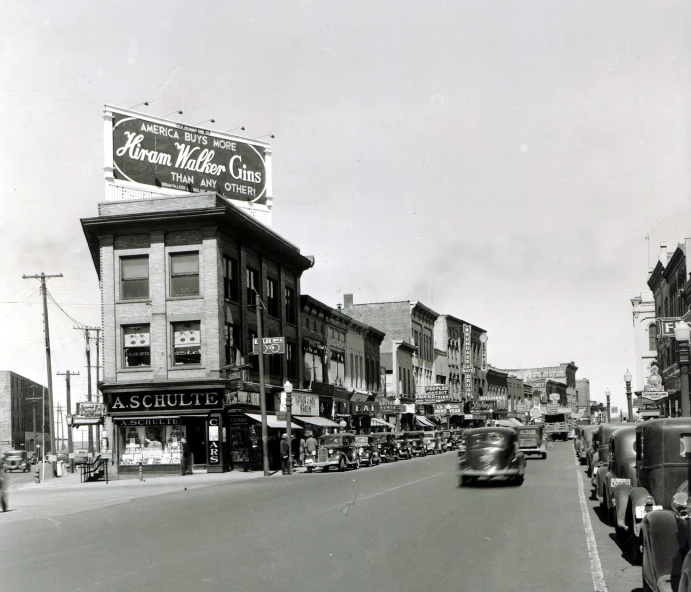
(94, 470)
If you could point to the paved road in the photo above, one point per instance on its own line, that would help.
(403, 527)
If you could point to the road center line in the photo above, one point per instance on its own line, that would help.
(599, 584)
(399, 486)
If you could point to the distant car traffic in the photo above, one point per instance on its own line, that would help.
(486, 453)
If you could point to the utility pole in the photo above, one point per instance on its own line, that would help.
(42, 446)
(262, 388)
(70, 445)
(98, 397)
(44, 291)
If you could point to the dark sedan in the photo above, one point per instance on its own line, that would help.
(487, 453)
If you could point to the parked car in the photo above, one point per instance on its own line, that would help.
(368, 453)
(431, 442)
(620, 471)
(447, 441)
(486, 453)
(402, 445)
(586, 442)
(599, 449)
(416, 443)
(386, 445)
(335, 450)
(531, 440)
(16, 460)
(663, 451)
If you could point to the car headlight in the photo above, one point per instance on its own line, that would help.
(360, 450)
(378, 445)
(331, 450)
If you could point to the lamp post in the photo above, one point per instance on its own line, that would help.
(608, 394)
(629, 402)
(682, 333)
(288, 388)
(448, 415)
(397, 403)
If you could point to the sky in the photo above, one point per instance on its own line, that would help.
(499, 161)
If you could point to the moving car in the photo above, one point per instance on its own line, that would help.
(368, 453)
(486, 453)
(335, 450)
(619, 471)
(16, 460)
(531, 440)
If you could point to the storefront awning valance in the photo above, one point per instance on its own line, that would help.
(380, 422)
(423, 421)
(359, 397)
(317, 421)
(272, 422)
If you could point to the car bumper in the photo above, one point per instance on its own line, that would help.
(512, 472)
(534, 450)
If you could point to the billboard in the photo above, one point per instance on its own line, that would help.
(170, 155)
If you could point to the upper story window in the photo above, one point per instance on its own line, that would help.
(136, 342)
(187, 347)
(231, 280)
(253, 286)
(272, 302)
(291, 314)
(134, 277)
(184, 274)
(652, 337)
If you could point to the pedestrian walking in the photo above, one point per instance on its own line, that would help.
(302, 451)
(311, 446)
(186, 457)
(3, 490)
(285, 454)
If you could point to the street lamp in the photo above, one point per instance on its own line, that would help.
(627, 380)
(682, 333)
(608, 394)
(288, 388)
(448, 415)
(397, 403)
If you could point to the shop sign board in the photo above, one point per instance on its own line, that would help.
(438, 389)
(425, 398)
(300, 403)
(147, 421)
(522, 407)
(175, 400)
(163, 153)
(492, 398)
(454, 409)
(552, 409)
(369, 408)
(665, 326)
(535, 412)
(389, 408)
(213, 441)
(481, 406)
(89, 409)
(270, 345)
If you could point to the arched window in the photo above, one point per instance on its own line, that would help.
(652, 337)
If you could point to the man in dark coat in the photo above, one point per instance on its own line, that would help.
(285, 454)
(186, 457)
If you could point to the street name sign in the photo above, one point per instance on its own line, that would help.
(270, 345)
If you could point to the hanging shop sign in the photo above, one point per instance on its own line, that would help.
(389, 408)
(213, 441)
(166, 154)
(178, 400)
(369, 408)
(88, 409)
(441, 409)
(300, 403)
(437, 389)
(481, 406)
(522, 407)
(425, 398)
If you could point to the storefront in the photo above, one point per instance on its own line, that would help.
(363, 408)
(148, 425)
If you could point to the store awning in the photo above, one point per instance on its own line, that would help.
(359, 397)
(272, 422)
(509, 423)
(380, 422)
(317, 421)
(423, 421)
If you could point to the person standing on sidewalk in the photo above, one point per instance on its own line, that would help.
(311, 446)
(285, 454)
(186, 457)
(3, 489)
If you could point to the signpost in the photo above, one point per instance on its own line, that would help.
(270, 345)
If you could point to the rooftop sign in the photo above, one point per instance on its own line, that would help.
(166, 154)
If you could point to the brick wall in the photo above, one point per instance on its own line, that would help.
(393, 318)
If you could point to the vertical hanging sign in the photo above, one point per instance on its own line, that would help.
(213, 442)
(468, 368)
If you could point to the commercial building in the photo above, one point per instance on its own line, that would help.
(583, 396)
(645, 337)
(21, 413)
(547, 380)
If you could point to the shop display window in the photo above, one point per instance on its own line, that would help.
(136, 346)
(151, 445)
(186, 343)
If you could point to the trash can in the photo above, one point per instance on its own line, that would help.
(60, 468)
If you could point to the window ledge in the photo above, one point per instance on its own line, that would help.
(195, 297)
(134, 301)
(137, 369)
(187, 367)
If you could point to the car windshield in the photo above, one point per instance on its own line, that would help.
(486, 440)
(332, 441)
(530, 432)
(361, 440)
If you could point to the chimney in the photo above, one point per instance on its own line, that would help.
(663, 254)
(347, 301)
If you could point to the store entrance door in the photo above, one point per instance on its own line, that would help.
(196, 438)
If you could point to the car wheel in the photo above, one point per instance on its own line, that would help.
(309, 469)
(357, 464)
(463, 481)
(325, 469)
(519, 480)
(544, 456)
(342, 465)
(635, 549)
